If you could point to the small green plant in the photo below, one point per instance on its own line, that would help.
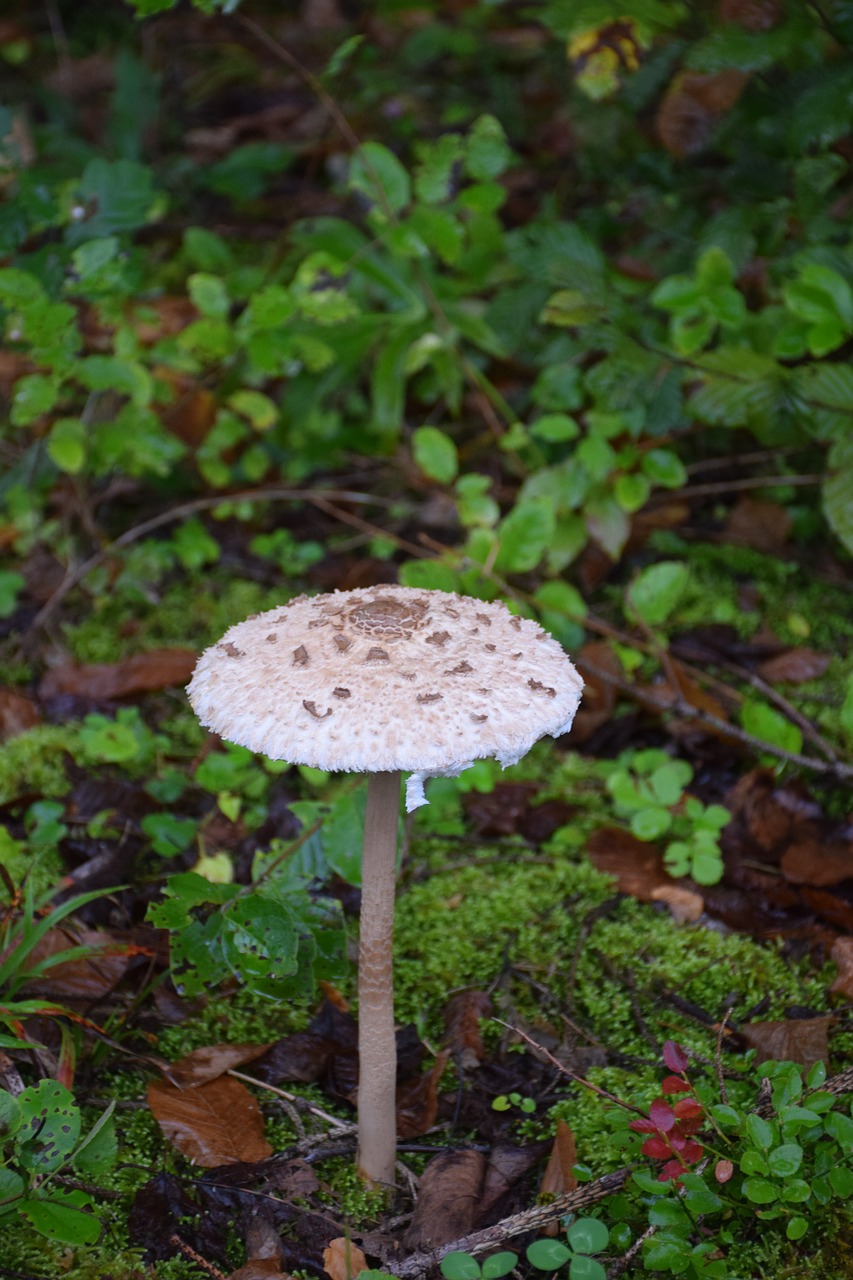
(584, 1237)
(505, 1101)
(42, 1145)
(648, 787)
(462, 1266)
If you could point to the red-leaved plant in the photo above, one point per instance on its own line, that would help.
(671, 1126)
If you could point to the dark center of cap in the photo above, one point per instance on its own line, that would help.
(388, 617)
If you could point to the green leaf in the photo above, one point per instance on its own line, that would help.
(206, 250)
(555, 428)
(34, 395)
(93, 255)
(632, 492)
(759, 1132)
(66, 445)
(669, 780)
(649, 824)
(434, 171)
(797, 1228)
(435, 454)
(768, 724)
(62, 1222)
(110, 373)
(584, 1268)
(11, 585)
(259, 409)
(548, 1255)
(784, 1161)
(378, 174)
(209, 295)
(169, 835)
(261, 941)
(459, 1266)
(498, 1265)
(487, 152)
(116, 196)
(841, 1181)
(523, 537)
(588, 1235)
(656, 591)
(837, 495)
(761, 1191)
(50, 1126)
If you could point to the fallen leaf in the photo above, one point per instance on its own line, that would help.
(842, 956)
(595, 661)
(157, 669)
(417, 1101)
(447, 1199)
(752, 15)
(343, 1260)
(558, 1177)
(216, 1123)
(636, 866)
(462, 1015)
(85, 978)
(17, 714)
(259, 1269)
(800, 1040)
(794, 666)
(506, 1166)
(685, 905)
(212, 1061)
(759, 524)
(693, 106)
(818, 861)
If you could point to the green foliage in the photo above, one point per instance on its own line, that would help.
(649, 788)
(42, 1139)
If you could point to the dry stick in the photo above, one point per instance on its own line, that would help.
(314, 496)
(836, 767)
(342, 1126)
(737, 486)
(788, 709)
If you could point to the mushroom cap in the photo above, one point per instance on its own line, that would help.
(387, 678)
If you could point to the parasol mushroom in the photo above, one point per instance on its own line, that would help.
(383, 680)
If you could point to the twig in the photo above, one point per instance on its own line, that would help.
(340, 1126)
(748, 482)
(180, 512)
(534, 1219)
(189, 1252)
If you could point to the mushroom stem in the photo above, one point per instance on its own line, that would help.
(377, 1048)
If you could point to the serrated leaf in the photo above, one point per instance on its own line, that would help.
(487, 152)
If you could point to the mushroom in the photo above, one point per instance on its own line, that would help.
(383, 680)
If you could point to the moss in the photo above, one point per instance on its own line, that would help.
(189, 612)
(33, 763)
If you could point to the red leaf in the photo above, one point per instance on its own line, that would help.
(643, 1126)
(675, 1057)
(675, 1084)
(723, 1170)
(688, 1109)
(672, 1169)
(662, 1115)
(692, 1151)
(657, 1148)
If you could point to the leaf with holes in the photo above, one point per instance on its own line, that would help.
(259, 940)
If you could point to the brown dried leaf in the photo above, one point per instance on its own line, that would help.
(794, 666)
(462, 1015)
(506, 1167)
(758, 523)
(752, 15)
(800, 1040)
(216, 1123)
(447, 1199)
(87, 978)
(636, 866)
(693, 106)
(260, 1269)
(842, 955)
(817, 861)
(212, 1061)
(685, 905)
(599, 699)
(157, 669)
(417, 1102)
(343, 1260)
(17, 714)
(558, 1177)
